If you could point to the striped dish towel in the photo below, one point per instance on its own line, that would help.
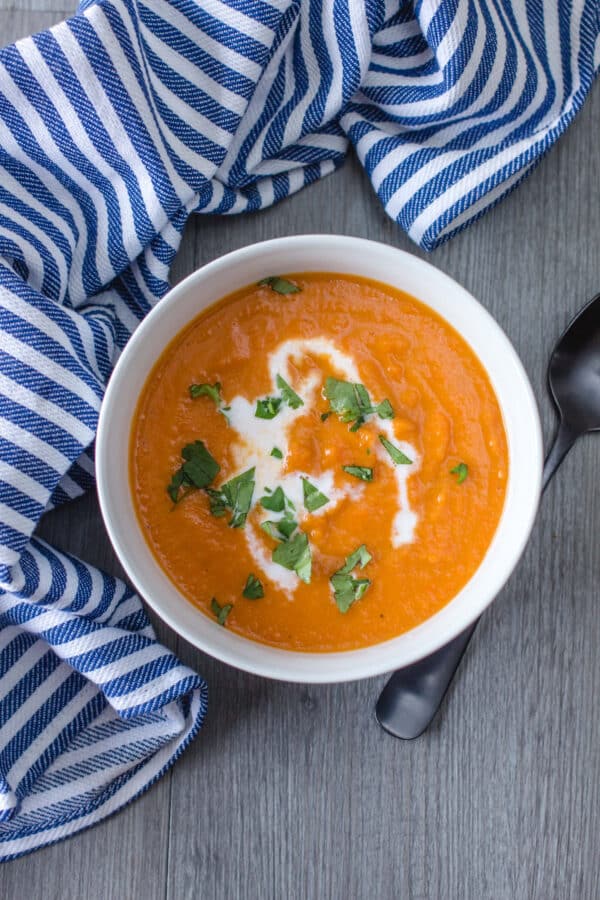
(114, 127)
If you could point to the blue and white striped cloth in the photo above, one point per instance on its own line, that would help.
(114, 127)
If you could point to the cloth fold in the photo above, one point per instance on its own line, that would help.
(115, 126)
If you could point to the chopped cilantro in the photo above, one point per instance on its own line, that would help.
(363, 472)
(347, 589)
(313, 498)
(235, 495)
(280, 285)
(238, 493)
(200, 467)
(325, 416)
(275, 502)
(351, 402)
(295, 554)
(206, 390)
(286, 528)
(221, 612)
(280, 529)
(384, 410)
(218, 503)
(271, 529)
(397, 455)
(288, 395)
(267, 408)
(176, 482)
(361, 556)
(461, 470)
(253, 589)
(197, 471)
(276, 452)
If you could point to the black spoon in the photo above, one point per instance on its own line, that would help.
(412, 696)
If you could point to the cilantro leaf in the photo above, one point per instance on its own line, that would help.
(461, 470)
(221, 612)
(286, 528)
(295, 554)
(238, 496)
(385, 410)
(351, 402)
(276, 452)
(313, 498)
(217, 502)
(198, 470)
(360, 557)
(288, 395)
(365, 473)
(280, 285)
(267, 408)
(347, 589)
(200, 467)
(235, 495)
(325, 416)
(397, 455)
(275, 502)
(253, 589)
(206, 390)
(176, 482)
(280, 529)
(271, 529)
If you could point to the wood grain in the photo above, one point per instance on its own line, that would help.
(292, 791)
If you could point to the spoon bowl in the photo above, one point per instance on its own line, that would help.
(574, 370)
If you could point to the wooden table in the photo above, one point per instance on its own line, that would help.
(293, 792)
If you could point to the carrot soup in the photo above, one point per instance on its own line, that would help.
(318, 462)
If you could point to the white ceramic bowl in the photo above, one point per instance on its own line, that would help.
(349, 256)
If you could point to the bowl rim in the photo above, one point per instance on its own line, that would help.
(523, 486)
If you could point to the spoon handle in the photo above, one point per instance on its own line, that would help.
(412, 696)
(564, 439)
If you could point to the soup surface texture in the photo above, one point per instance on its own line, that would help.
(318, 462)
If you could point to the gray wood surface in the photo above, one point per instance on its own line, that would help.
(293, 791)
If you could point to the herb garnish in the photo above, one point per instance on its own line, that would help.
(461, 470)
(346, 588)
(276, 452)
(280, 529)
(253, 589)
(397, 455)
(280, 285)
(275, 502)
(365, 473)
(198, 470)
(295, 554)
(286, 527)
(206, 390)
(352, 402)
(313, 498)
(235, 495)
(384, 410)
(288, 395)
(221, 612)
(267, 408)
(325, 416)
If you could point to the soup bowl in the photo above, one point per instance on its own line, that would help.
(349, 256)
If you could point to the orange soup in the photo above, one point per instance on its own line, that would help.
(318, 462)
